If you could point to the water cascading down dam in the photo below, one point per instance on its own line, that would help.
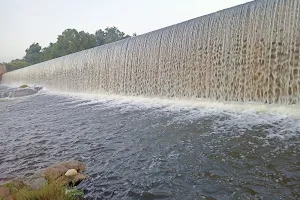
(246, 53)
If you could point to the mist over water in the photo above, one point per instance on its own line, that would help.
(246, 53)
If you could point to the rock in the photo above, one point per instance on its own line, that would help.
(23, 86)
(59, 171)
(53, 172)
(71, 172)
(9, 187)
(66, 173)
(71, 180)
(36, 182)
(2, 70)
(4, 193)
(22, 92)
(78, 178)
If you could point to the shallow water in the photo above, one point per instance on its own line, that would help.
(138, 151)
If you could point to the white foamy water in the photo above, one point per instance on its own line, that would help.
(246, 53)
(176, 104)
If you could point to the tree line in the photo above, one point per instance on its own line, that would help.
(70, 41)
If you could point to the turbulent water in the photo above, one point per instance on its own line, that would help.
(136, 150)
(245, 53)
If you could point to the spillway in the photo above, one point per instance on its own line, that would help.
(246, 53)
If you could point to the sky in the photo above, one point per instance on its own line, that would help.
(23, 22)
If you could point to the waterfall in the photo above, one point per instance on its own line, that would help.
(246, 53)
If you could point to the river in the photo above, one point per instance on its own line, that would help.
(139, 150)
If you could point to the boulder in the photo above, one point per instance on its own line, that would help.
(2, 70)
(71, 172)
(36, 181)
(24, 86)
(5, 193)
(66, 173)
(71, 180)
(59, 173)
(21, 92)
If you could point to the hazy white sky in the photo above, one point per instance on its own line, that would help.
(23, 22)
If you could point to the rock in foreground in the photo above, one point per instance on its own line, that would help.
(53, 180)
(58, 172)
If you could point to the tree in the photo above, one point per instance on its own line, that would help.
(33, 54)
(100, 37)
(113, 34)
(48, 52)
(109, 35)
(70, 41)
(16, 64)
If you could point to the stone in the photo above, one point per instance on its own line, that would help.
(53, 172)
(36, 181)
(4, 192)
(59, 173)
(71, 180)
(21, 92)
(78, 178)
(23, 86)
(71, 172)
(2, 70)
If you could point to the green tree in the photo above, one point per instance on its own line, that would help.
(70, 41)
(48, 52)
(33, 54)
(113, 34)
(100, 37)
(109, 35)
(16, 64)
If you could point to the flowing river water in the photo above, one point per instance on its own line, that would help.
(157, 146)
(151, 150)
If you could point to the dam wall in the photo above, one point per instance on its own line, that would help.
(246, 53)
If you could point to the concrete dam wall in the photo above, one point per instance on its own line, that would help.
(246, 53)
